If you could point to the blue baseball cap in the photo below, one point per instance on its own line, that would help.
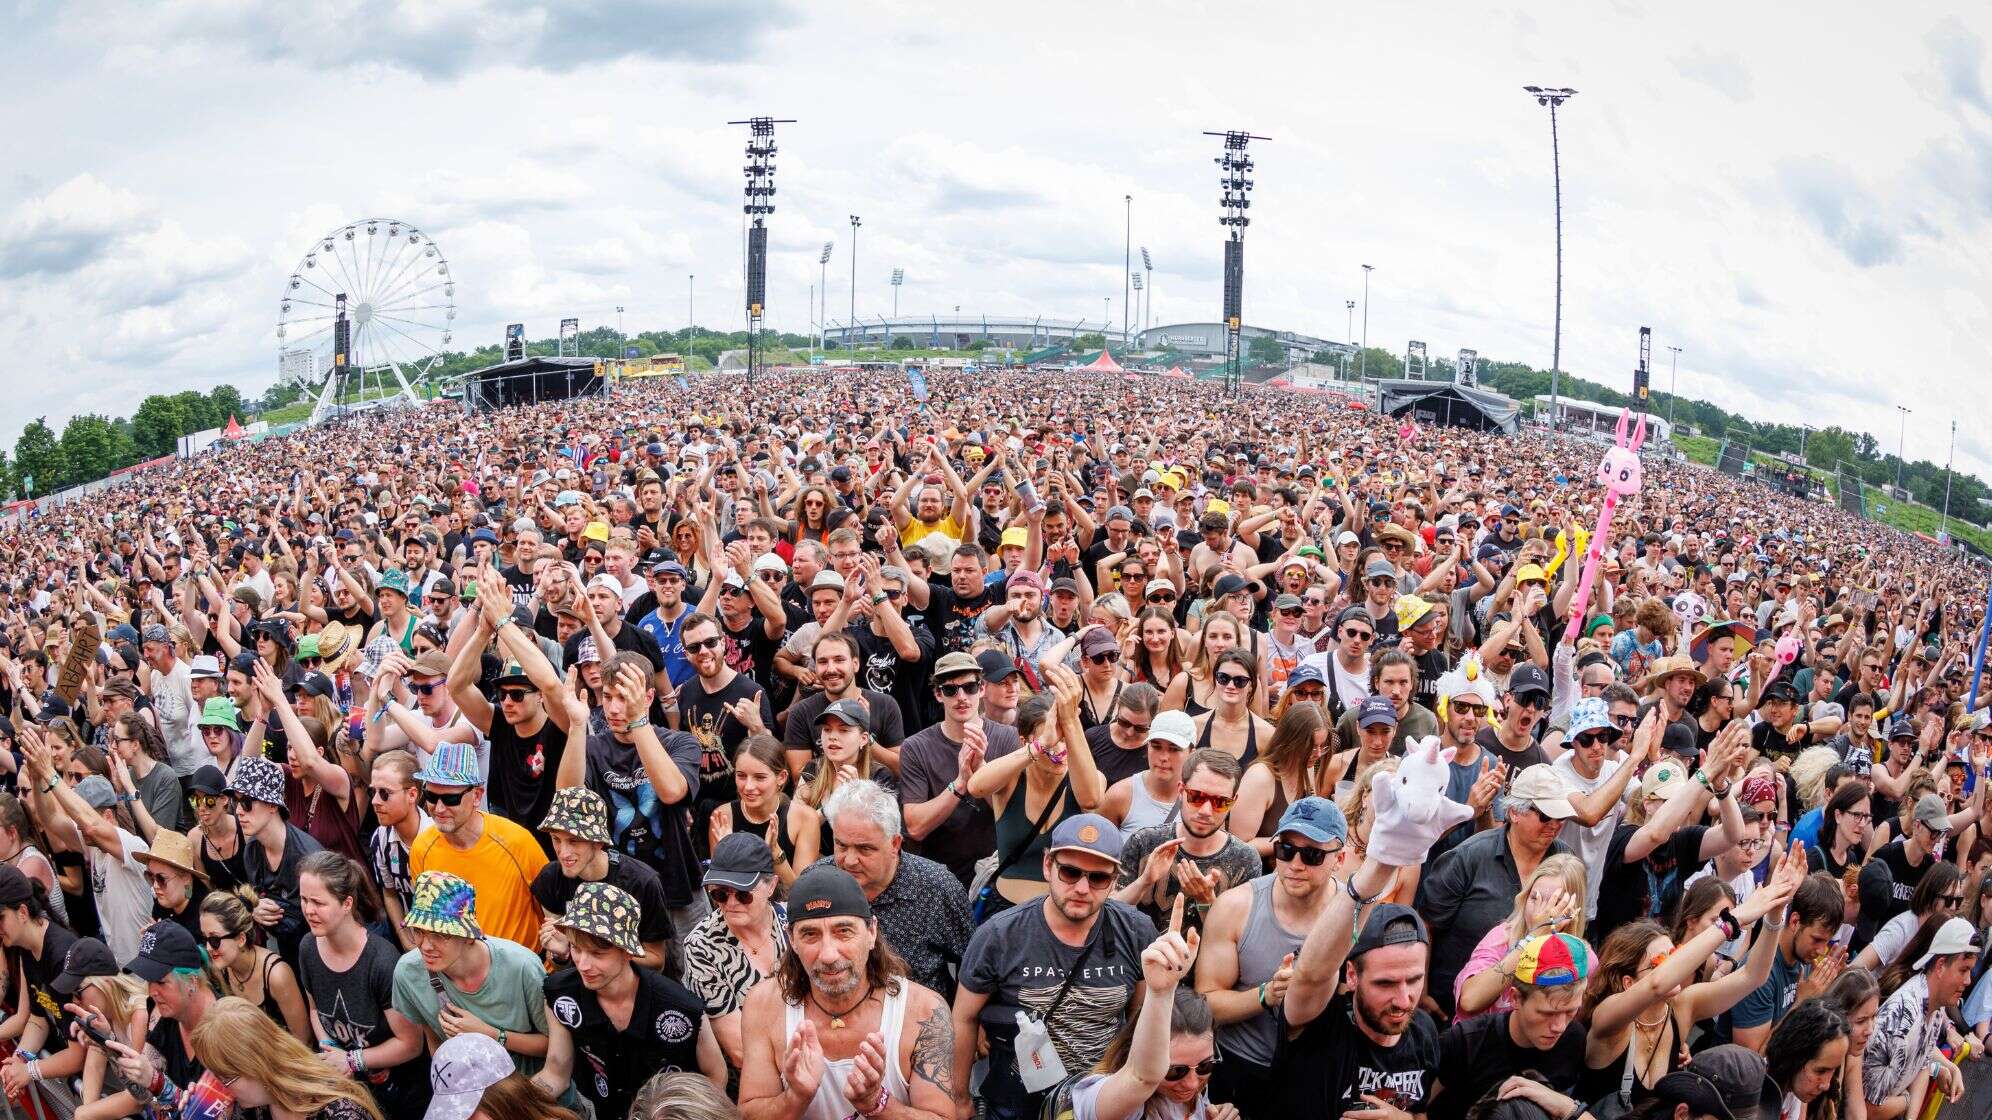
(485, 535)
(1305, 674)
(1375, 710)
(1087, 832)
(1316, 818)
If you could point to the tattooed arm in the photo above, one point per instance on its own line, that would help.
(930, 1055)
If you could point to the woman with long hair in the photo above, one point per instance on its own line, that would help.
(37, 947)
(115, 998)
(1701, 906)
(1844, 824)
(843, 733)
(1805, 1056)
(248, 970)
(1152, 655)
(215, 826)
(760, 775)
(475, 1078)
(1940, 895)
(18, 850)
(1293, 765)
(348, 980)
(1231, 725)
(1642, 1004)
(1158, 1065)
(1054, 765)
(138, 767)
(318, 791)
(1551, 901)
(812, 507)
(1195, 690)
(264, 1066)
(1856, 996)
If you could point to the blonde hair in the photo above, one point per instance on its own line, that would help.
(1808, 774)
(1564, 866)
(819, 788)
(235, 1039)
(123, 995)
(681, 1095)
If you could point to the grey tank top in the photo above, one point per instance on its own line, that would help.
(1261, 947)
(1143, 811)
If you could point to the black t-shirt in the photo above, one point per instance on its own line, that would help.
(611, 1063)
(953, 617)
(1328, 1066)
(1887, 884)
(352, 1011)
(626, 639)
(1490, 741)
(553, 891)
(640, 824)
(704, 716)
(521, 786)
(881, 669)
(1432, 665)
(182, 1068)
(42, 971)
(1479, 1054)
(888, 725)
(1626, 891)
(1114, 763)
(750, 651)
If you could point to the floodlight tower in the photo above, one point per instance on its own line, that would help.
(759, 203)
(1551, 99)
(1235, 167)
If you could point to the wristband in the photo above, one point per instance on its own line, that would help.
(501, 1036)
(1358, 899)
(360, 1060)
(1731, 928)
(1262, 995)
(639, 723)
(1701, 776)
(955, 788)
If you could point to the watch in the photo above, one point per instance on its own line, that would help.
(955, 787)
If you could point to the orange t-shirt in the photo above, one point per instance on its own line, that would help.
(500, 866)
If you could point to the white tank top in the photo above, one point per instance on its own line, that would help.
(829, 1102)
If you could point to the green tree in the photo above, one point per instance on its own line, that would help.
(199, 411)
(91, 448)
(157, 425)
(1826, 447)
(1265, 350)
(1376, 362)
(1091, 340)
(38, 459)
(226, 400)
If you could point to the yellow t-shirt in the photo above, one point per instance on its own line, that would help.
(501, 866)
(917, 530)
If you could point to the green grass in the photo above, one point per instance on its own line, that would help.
(1699, 449)
(289, 414)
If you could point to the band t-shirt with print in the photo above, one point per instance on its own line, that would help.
(610, 1064)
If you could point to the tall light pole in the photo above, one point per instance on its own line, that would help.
(1106, 318)
(1362, 357)
(898, 278)
(1127, 260)
(1804, 430)
(691, 331)
(1673, 379)
(622, 343)
(823, 285)
(1948, 460)
(1552, 98)
(1901, 435)
(1148, 302)
(854, 278)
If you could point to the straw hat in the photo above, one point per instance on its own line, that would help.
(1665, 667)
(337, 643)
(175, 850)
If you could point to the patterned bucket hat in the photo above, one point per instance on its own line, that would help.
(395, 580)
(453, 764)
(258, 779)
(580, 812)
(445, 904)
(607, 912)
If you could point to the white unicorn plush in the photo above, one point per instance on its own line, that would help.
(1412, 809)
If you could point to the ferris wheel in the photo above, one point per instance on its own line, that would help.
(366, 314)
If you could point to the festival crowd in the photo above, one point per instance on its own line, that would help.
(1049, 746)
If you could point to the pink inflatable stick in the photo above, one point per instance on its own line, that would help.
(1619, 474)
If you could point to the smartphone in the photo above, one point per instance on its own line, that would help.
(442, 997)
(90, 1030)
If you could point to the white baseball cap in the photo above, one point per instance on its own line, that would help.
(1953, 937)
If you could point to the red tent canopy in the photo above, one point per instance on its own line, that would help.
(1104, 363)
(233, 431)
(1178, 373)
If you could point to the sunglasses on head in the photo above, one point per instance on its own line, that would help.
(1179, 1071)
(961, 688)
(1215, 802)
(1312, 857)
(702, 645)
(719, 894)
(1070, 875)
(431, 797)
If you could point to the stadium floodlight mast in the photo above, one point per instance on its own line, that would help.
(1552, 98)
(1951, 459)
(1235, 179)
(1673, 379)
(823, 285)
(1127, 261)
(854, 279)
(1900, 437)
(1362, 356)
(898, 278)
(1148, 304)
(1349, 332)
(759, 203)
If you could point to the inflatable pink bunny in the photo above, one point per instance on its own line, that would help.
(1619, 473)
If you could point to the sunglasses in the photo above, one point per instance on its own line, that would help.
(424, 689)
(1595, 738)
(1626, 723)
(718, 895)
(214, 942)
(1289, 612)
(515, 695)
(741, 591)
(157, 879)
(966, 688)
(431, 797)
(379, 794)
(1382, 581)
(1107, 658)
(1162, 597)
(773, 577)
(1070, 875)
(1951, 899)
(1215, 802)
(1130, 727)
(1179, 1071)
(309, 662)
(1233, 680)
(703, 644)
(1312, 857)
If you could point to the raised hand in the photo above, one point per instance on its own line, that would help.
(1277, 986)
(867, 1075)
(804, 1066)
(1155, 868)
(1200, 886)
(1168, 958)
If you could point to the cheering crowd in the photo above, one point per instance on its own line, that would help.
(1050, 747)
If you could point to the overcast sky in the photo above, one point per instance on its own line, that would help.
(1800, 205)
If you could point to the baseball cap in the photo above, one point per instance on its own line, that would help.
(1097, 641)
(1086, 832)
(463, 1067)
(87, 957)
(1390, 924)
(954, 664)
(1554, 960)
(995, 665)
(739, 860)
(164, 948)
(826, 891)
(1378, 566)
(1953, 937)
(208, 780)
(1663, 778)
(1728, 1082)
(1930, 812)
(1229, 583)
(1174, 727)
(1316, 818)
(847, 710)
(97, 792)
(1158, 587)
(1542, 787)
(1901, 727)
(1375, 710)
(1526, 678)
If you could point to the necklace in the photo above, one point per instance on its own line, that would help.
(837, 1021)
(1658, 1022)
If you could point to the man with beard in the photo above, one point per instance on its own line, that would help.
(665, 621)
(892, 654)
(956, 604)
(1193, 854)
(842, 995)
(1018, 622)
(1068, 962)
(622, 1022)
(1368, 1052)
(1250, 939)
(719, 707)
(836, 658)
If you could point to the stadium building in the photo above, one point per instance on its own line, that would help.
(958, 332)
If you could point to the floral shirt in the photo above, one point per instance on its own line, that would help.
(1905, 1038)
